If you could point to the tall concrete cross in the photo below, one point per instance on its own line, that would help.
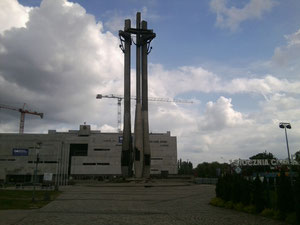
(141, 156)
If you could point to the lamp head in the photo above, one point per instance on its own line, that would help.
(285, 125)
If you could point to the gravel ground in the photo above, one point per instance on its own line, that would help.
(117, 204)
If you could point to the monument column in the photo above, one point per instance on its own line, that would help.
(146, 144)
(138, 130)
(126, 155)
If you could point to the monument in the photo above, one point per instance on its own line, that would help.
(136, 155)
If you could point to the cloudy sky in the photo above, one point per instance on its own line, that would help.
(238, 60)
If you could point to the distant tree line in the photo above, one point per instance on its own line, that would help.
(211, 170)
(205, 169)
(216, 169)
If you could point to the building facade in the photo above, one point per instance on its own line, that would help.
(77, 154)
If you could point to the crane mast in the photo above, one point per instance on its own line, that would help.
(23, 111)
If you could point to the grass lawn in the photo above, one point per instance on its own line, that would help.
(21, 199)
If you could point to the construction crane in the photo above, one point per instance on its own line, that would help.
(23, 111)
(119, 98)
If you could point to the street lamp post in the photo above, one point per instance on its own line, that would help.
(285, 126)
(37, 147)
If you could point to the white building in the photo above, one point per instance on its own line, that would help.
(80, 154)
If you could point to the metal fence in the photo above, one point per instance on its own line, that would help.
(201, 180)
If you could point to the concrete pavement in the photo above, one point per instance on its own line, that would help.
(116, 204)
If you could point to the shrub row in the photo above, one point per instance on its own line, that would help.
(273, 198)
(270, 213)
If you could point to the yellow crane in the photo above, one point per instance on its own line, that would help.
(23, 111)
(120, 98)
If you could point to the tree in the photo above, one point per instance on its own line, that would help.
(224, 187)
(249, 170)
(285, 199)
(297, 198)
(185, 167)
(258, 195)
(237, 191)
(245, 191)
(297, 156)
(213, 169)
(266, 194)
(263, 155)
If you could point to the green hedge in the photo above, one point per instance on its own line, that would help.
(275, 199)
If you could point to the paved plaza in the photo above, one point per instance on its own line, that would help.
(132, 204)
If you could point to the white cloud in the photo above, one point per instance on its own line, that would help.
(12, 14)
(285, 60)
(281, 107)
(232, 17)
(59, 62)
(105, 128)
(293, 39)
(289, 55)
(221, 130)
(184, 79)
(220, 115)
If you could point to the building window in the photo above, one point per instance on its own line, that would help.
(7, 159)
(164, 145)
(50, 161)
(93, 164)
(103, 164)
(78, 150)
(163, 142)
(35, 162)
(137, 154)
(88, 164)
(154, 170)
(156, 158)
(147, 159)
(101, 149)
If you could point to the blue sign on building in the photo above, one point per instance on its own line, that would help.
(20, 152)
(120, 139)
